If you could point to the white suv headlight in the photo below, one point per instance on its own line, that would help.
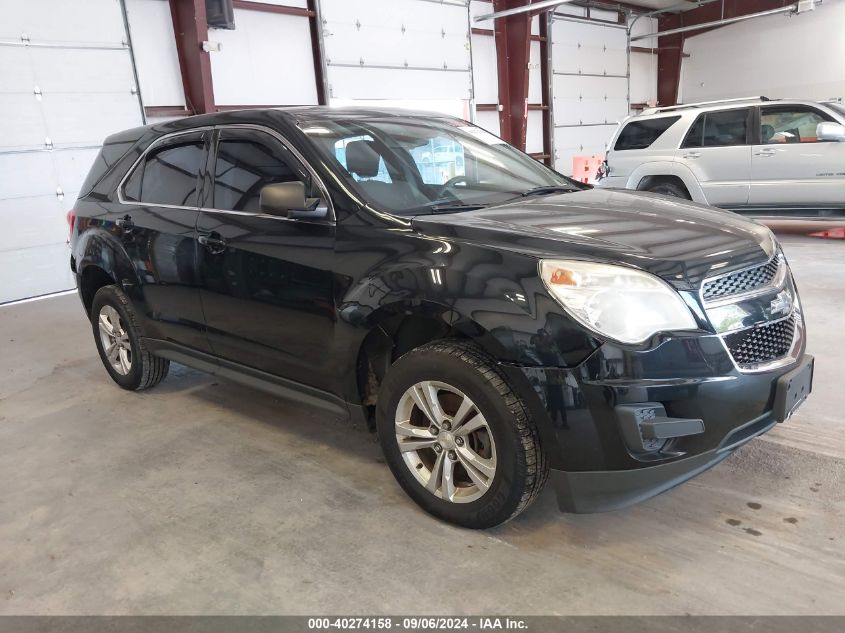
(622, 303)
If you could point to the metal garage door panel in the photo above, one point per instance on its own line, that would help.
(86, 119)
(69, 21)
(396, 33)
(30, 272)
(37, 221)
(579, 141)
(16, 70)
(71, 168)
(26, 174)
(582, 48)
(589, 100)
(378, 83)
(377, 45)
(83, 70)
(22, 124)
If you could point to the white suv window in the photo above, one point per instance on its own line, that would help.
(641, 134)
(789, 124)
(719, 129)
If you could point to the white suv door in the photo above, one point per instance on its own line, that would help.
(789, 166)
(718, 152)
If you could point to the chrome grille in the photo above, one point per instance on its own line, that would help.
(741, 281)
(762, 343)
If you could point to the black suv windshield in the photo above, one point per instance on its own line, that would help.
(415, 165)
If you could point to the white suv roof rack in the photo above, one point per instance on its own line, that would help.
(701, 103)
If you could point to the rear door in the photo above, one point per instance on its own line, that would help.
(790, 166)
(267, 282)
(156, 220)
(717, 149)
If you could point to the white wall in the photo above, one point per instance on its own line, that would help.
(802, 56)
(644, 65)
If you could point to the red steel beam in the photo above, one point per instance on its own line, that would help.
(669, 59)
(317, 53)
(513, 48)
(190, 26)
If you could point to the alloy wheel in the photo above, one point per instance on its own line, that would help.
(445, 441)
(115, 340)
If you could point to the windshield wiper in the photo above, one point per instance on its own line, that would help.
(452, 208)
(540, 191)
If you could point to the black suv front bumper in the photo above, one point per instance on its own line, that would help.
(580, 415)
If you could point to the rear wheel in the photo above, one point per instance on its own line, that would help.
(457, 438)
(669, 189)
(120, 343)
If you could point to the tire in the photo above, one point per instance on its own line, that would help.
(505, 446)
(669, 189)
(131, 365)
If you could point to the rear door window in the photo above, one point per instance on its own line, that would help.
(641, 134)
(723, 128)
(170, 173)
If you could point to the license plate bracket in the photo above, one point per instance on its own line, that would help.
(793, 388)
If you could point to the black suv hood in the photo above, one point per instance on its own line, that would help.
(678, 240)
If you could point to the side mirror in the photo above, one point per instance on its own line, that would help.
(829, 131)
(288, 199)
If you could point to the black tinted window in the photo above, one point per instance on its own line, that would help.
(246, 162)
(169, 175)
(641, 134)
(719, 129)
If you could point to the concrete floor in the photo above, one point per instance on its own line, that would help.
(204, 497)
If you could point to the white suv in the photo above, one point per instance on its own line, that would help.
(756, 156)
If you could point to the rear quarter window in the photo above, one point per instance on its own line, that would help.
(641, 134)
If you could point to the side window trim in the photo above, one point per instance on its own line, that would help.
(288, 146)
(142, 159)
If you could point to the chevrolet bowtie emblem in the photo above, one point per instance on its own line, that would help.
(782, 304)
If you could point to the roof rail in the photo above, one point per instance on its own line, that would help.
(702, 103)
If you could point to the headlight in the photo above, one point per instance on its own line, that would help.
(622, 303)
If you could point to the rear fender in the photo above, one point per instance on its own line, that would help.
(668, 168)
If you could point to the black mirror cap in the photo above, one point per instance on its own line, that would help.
(281, 197)
(288, 199)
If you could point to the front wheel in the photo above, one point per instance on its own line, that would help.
(458, 439)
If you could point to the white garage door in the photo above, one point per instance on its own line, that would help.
(66, 82)
(589, 85)
(397, 49)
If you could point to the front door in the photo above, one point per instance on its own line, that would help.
(267, 283)
(790, 166)
(717, 150)
(156, 219)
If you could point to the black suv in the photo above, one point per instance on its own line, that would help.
(494, 321)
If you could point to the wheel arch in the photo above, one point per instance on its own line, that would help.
(674, 171)
(398, 328)
(102, 260)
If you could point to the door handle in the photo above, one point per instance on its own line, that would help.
(213, 242)
(765, 152)
(692, 155)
